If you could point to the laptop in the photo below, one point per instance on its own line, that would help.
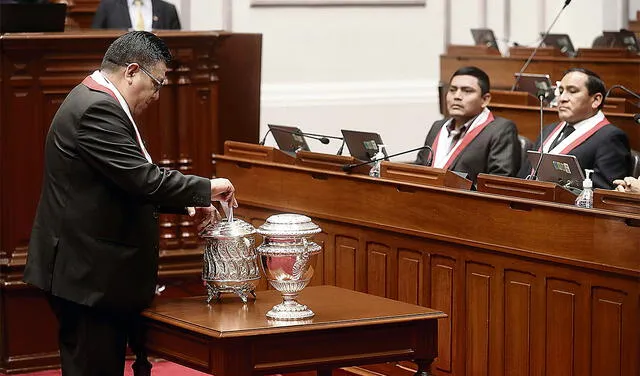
(561, 42)
(535, 84)
(362, 145)
(623, 39)
(288, 138)
(562, 169)
(484, 37)
(29, 18)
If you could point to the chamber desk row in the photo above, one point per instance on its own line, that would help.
(530, 287)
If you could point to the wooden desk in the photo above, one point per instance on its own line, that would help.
(529, 287)
(349, 328)
(621, 71)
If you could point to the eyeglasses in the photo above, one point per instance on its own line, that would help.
(157, 84)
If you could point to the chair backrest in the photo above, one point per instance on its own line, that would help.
(525, 144)
(635, 163)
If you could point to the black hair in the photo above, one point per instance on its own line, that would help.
(483, 78)
(140, 47)
(594, 83)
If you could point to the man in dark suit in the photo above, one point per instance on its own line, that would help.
(585, 132)
(94, 243)
(472, 140)
(137, 14)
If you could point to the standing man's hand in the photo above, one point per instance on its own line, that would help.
(223, 190)
(204, 216)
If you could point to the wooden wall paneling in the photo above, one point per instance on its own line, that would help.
(444, 281)
(412, 276)
(520, 301)
(348, 252)
(382, 261)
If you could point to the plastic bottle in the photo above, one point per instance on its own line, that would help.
(585, 199)
(375, 169)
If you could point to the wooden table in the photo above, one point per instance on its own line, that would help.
(349, 328)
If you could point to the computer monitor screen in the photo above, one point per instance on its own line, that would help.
(562, 169)
(535, 84)
(362, 145)
(622, 39)
(25, 18)
(561, 42)
(289, 139)
(484, 37)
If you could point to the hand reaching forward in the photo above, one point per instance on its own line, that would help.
(628, 184)
(223, 190)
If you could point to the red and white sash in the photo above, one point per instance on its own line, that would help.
(583, 130)
(444, 159)
(100, 83)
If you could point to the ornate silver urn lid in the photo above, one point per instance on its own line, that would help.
(288, 225)
(227, 230)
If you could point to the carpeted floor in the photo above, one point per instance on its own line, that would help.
(160, 368)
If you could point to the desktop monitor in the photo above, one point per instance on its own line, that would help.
(562, 169)
(484, 37)
(535, 84)
(622, 39)
(362, 145)
(289, 139)
(26, 18)
(561, 42)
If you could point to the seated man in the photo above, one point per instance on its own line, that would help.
(628, 184)
(585, 132)
(137, 14)
(472, 140)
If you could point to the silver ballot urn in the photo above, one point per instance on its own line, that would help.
(230, 259)
(287, 258)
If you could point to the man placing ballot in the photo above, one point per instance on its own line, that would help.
(585, 132)
(472, 140)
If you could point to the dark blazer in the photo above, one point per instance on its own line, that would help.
(495, 150)
(94, 240)
(114, 14)
(606, 152)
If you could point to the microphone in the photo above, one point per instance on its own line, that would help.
(636, 118)
(526, 64)
(264, 139)
(631, 92)
(351, 166)
(541, 95)
(320, 137)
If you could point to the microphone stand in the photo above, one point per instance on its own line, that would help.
(630, 92)
(264, 139)
(534, 175)
(349, 167)
(339, 152)
(544, 36)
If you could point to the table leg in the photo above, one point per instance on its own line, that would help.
(424, 367)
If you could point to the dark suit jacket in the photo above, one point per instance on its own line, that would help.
(114, 14)
(94, 240)
(495, 150)
(606, 152)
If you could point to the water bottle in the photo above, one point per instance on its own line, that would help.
(375, 169)
(585, 199)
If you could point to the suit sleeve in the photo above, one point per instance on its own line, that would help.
(612, 160)
(504, 151)
(175, 20)
(107, 142)
(425, 156)
(100, 17)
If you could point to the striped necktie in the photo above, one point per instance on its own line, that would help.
(139, 19)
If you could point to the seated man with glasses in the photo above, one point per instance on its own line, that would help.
(93, 249)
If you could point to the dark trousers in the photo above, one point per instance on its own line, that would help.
(93, 342)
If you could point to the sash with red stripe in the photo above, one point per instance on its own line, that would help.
(468, 137)
(92, 84)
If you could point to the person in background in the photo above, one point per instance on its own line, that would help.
(136, 14)
(585, 132)
(628, 184)
(472, 140)
(94, 244)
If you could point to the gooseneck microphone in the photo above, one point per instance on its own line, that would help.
(541, 95)
(320, 137)
(544, 36)
(628, 91)
(264, 138)
(349, 167)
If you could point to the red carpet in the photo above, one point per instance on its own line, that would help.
(160, 368)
